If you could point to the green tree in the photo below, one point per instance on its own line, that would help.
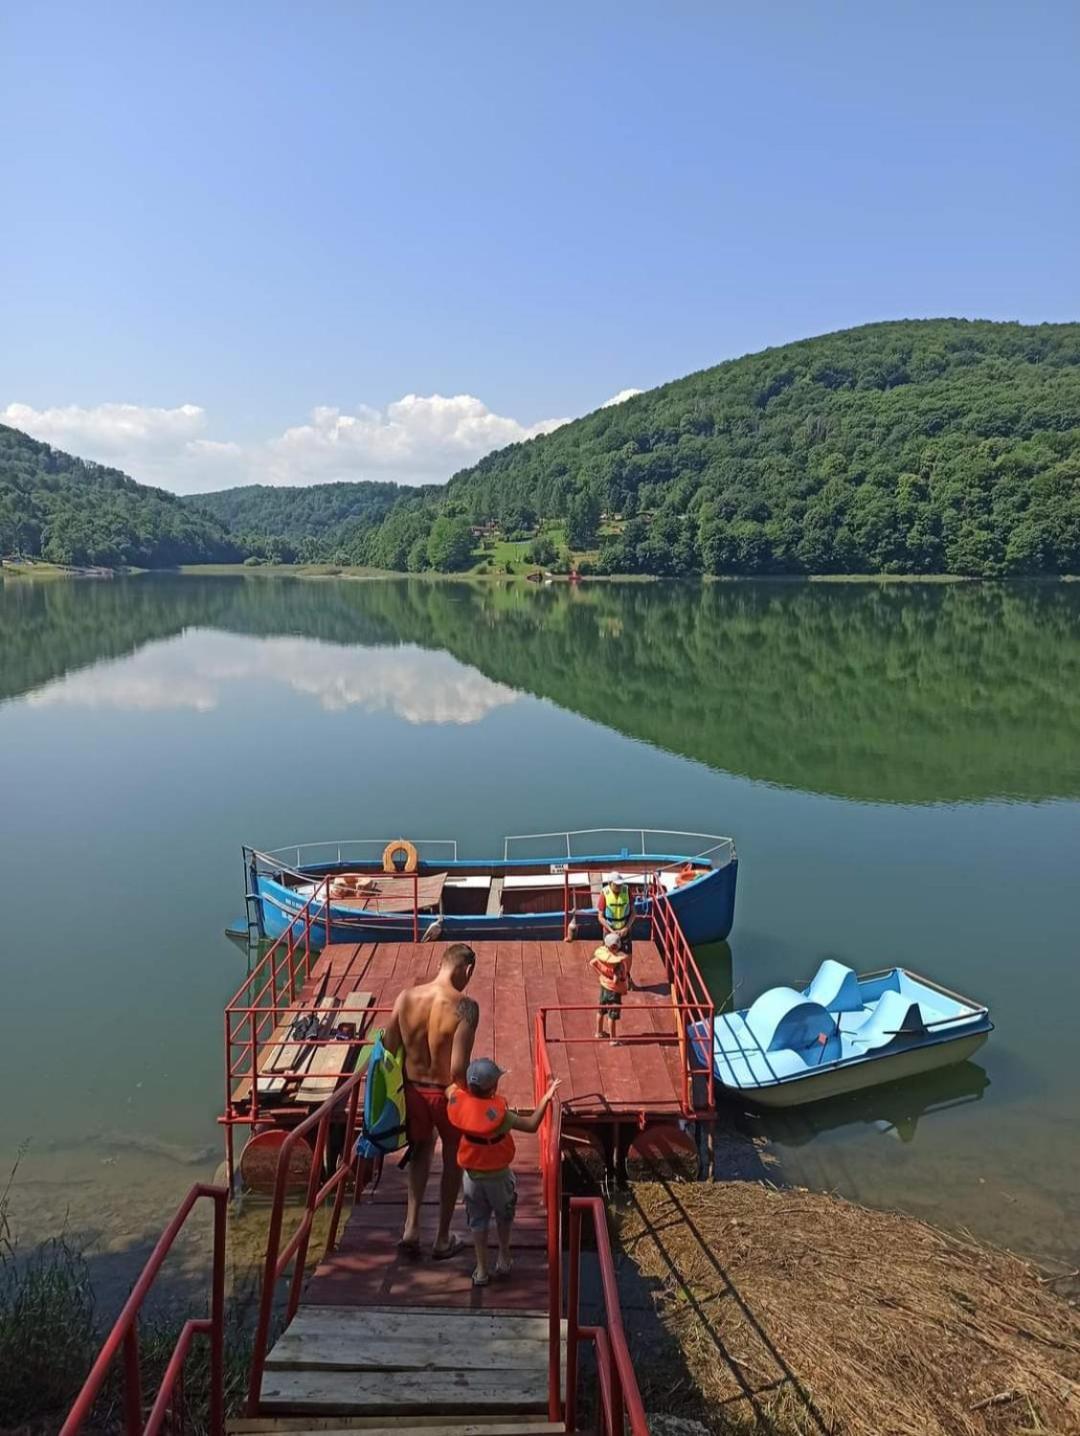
(450, 545)
(583, 520)
(542, 551)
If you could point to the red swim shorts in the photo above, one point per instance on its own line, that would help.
(426, 1114)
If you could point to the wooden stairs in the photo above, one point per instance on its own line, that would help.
(396, 1342)
(381, 1426)
(403, 1362)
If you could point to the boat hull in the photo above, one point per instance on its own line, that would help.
(838, 1082)
(705, 910)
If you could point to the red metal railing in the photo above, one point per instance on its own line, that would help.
(551, 1183)
(617, 1389)
(269, 997)
(690, 998)
(319, 1190)
(125, 1337)
(682, 1015)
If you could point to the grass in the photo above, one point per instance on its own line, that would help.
(288, 570)
(17, 568)
(800, 1314)
(51, 1332)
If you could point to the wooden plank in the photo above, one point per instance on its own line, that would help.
(401, 1392)
(444, 1425)
(332, 1062)
(385, 1277)
(585, 1079)
(377, 1426)
(494, 902)
(363, 1323)
(323, 1008)
(286, 1055)
(395, 895)
(447, 1350)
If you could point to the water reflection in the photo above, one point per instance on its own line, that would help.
(908, 694)
(895, 1109)
(415, 686)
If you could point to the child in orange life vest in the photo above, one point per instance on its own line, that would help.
(485, 1152)
(610, 965)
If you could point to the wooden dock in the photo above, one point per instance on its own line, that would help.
(642, 1079)
(382, 1339)
(389, 1342)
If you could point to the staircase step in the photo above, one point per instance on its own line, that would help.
(352, 1339)
(415, 1425)
(402, 1393)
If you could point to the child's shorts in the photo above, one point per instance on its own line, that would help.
(487, 1197)
(611, 1003)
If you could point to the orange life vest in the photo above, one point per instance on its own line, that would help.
(478, 1119)
(687, 874)
(612, 974)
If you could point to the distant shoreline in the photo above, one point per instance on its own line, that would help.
(41, 571)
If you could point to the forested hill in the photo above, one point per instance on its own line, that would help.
(917, 446)
(921, 446)
(69, 511)
(285, 523)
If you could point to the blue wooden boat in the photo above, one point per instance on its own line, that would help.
(400, 891)
(841, 1033)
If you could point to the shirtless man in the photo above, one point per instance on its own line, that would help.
(436, 1025)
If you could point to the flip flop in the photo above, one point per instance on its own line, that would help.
(456, 1244)
(504, 1271)
(478, 1280)
(409, 1248)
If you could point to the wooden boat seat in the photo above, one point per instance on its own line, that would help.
(494, 902)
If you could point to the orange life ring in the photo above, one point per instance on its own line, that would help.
(687, 874)
(390, 852)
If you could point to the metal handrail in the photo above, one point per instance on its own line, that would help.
(277, 1259)
(339, 843)
(689, 990)
(259, 1005)
(620, 1394)
(620, 1398)
(551, 1182)
(124, 1335)
(717, 841)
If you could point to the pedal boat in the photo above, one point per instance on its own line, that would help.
(841, 1033)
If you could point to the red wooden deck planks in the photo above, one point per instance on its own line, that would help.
(512, 981)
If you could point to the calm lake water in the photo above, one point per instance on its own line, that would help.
(900, 767)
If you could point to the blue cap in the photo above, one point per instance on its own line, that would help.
(482, 1075)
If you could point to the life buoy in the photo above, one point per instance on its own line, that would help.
(390, 852)
(687, 874)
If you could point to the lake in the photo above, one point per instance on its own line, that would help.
(899, 765)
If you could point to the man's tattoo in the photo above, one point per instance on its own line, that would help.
(468, 1011)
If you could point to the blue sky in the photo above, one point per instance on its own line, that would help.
(236, 236)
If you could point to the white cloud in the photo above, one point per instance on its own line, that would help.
(620, 398)
(197, 671)
(416, 439)
(154, 445)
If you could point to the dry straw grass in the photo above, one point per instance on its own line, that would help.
(803, 1313)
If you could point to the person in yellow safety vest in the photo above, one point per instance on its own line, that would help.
(615, 909)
